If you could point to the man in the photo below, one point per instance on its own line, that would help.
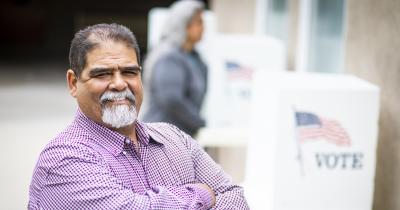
(106, 159)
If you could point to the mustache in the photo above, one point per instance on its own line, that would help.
(111, 96)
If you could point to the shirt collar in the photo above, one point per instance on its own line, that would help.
(144, 132)
(111, 140)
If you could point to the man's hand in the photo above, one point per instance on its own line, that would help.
(211, 191)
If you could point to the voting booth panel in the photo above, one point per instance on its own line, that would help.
(231, 72)
(313, 142)
(232, 64)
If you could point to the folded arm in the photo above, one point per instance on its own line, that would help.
(81, 180)
(228, 195)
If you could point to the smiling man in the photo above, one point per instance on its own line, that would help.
(106, 158)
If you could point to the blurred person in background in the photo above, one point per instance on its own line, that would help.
(106, 158)
(175, 77)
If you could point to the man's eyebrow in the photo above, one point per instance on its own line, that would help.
(133, 67)
(98, 70)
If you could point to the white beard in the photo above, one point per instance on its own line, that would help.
(119, 116)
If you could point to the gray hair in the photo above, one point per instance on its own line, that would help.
(91, 37)
(180, 15)
(173, 34)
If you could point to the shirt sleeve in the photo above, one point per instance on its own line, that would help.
(76, 178)
(228, 195)
(168, 90)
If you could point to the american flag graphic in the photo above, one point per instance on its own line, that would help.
(237, 71)
(312, 127)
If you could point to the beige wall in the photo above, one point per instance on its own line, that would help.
(373, 42)
(293, 30)
(234, 16)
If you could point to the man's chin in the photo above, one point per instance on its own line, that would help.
(117, 127)
(119, 116)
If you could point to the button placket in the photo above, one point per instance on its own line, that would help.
(126, 146)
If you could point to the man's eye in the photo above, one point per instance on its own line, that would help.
(99, 75)
(131, 72)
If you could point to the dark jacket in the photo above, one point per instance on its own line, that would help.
(178, 83)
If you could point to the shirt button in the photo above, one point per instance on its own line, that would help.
(127, 141)
(124, 152)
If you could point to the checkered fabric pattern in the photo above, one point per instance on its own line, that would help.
(89, 166)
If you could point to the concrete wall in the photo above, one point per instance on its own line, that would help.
(373, 42)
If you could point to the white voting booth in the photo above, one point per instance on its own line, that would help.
(232, 65)
(313, 142)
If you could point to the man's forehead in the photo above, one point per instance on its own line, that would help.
(112, 52)
(132, 66)
(99, 42)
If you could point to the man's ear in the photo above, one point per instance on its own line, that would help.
(72, 82)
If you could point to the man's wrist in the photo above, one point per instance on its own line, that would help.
(206, 195)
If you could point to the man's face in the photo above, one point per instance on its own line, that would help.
(111, 69)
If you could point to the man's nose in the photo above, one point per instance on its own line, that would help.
(118, 83)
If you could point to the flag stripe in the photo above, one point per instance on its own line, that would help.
(311, 127)
(236, 71)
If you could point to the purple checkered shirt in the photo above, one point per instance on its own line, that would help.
(89, 166)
